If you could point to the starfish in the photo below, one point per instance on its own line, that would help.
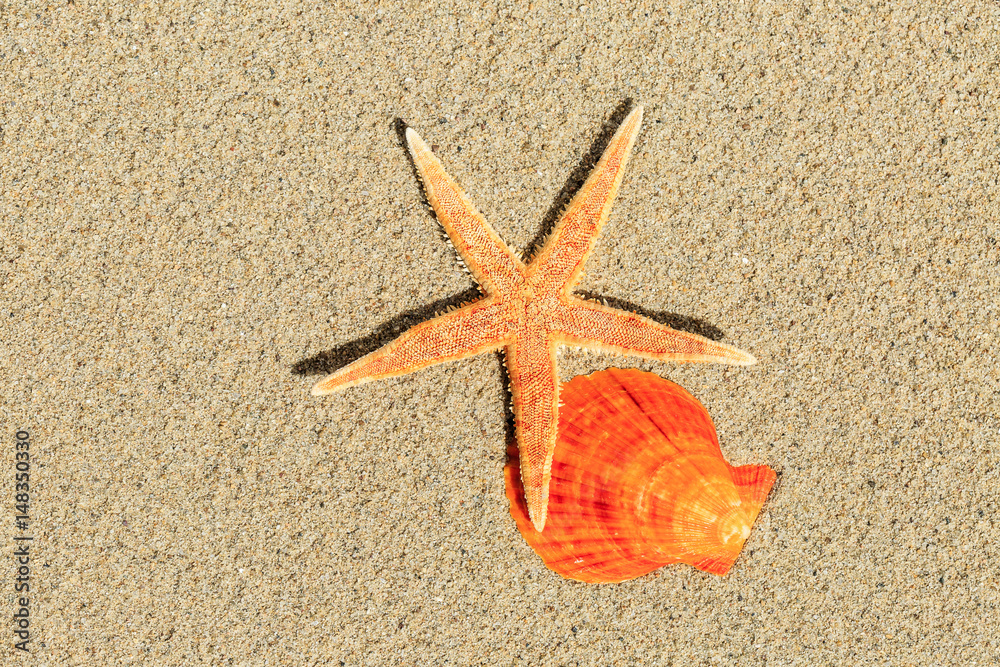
(529, 309)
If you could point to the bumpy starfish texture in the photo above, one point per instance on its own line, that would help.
(529, 309)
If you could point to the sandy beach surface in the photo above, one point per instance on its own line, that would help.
(205, 206)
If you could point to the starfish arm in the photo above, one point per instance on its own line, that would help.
(598, 327)
(561, 258)
(489, 259)
(478, 327)
(534, 388)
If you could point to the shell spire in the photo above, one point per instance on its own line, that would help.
(638, 482)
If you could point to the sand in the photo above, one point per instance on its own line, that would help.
(204, 205)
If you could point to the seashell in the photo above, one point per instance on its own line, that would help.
(638, 482)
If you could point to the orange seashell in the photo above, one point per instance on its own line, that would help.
(638, 482)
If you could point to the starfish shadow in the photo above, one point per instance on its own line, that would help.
(510, 435)
(577, 177)
(328, 361)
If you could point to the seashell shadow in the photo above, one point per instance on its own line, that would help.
(638, 482)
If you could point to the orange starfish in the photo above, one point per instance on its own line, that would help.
(529, 309)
